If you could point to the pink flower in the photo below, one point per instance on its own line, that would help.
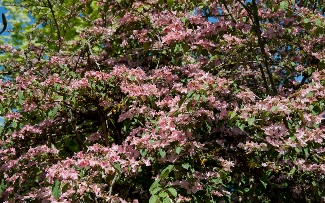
(226, 165)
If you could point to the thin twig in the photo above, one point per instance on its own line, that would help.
(113, 182)
(56, 22)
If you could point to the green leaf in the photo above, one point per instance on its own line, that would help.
(274, 108)
(319, 31)
(318, 22)
(14, 124)
(166, 171)
(306, 152)
(217, 181)
(143, 152)
(162, 153)
(56, 192)
(166, 200)
(132, 77)
(2, 186)
(117, 166)
(297, 149)
(190, 93)
(197, 97)
(233, 114)
(20, 97)
(181, 101)
(284, 5)
(65, 187)
(178, 150)
(156, 190)
(263, 182)
(308, 26)
(314, 183)
(163, 194)
(153, 199)
(292, 171)
(251, 121)
(172, 191)
(306, 20)
(185, 47)
(146, 46)
(154, 185)
(170, 3)
(186, 165)
(228, 178)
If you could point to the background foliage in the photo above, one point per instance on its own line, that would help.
(137, 101)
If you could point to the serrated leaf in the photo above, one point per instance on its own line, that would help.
(172, 191)
(153, 199)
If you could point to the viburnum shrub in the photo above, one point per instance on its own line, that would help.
(163, 101)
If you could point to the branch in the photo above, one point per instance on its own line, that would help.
(4, 22)
(56, 22)
(113, 182)
(261, 44)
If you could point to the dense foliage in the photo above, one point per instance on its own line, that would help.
(163, 101)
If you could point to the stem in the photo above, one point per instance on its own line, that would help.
(56, 22)
(262, 46)
(113, 182)
(250, 14)
(104, 129)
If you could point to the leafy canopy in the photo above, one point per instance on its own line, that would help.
(162, 101)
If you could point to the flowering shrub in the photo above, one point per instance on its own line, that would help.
(163, 101)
